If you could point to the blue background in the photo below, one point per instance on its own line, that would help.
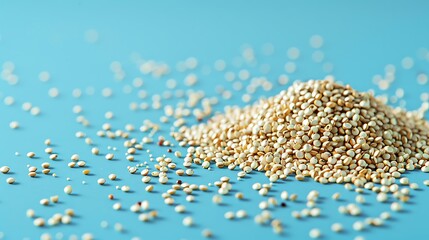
(361, 38)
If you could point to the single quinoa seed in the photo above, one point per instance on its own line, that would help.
(68, 189)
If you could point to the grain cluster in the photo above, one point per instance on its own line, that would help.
(319, 129)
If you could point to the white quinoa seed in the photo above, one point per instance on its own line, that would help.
(395, 206)
(145, 205)
(190, 198)
(110, 156)
(125, 188)
(54, 198)
(149, 188)
(66, 219)
(30, 213)
(169, 201)
(385, 215)
(180, 208)
(414, 186)
(336, 196)
(241, 214)
(313, 123)
(217, 199)
(118, 227)
(68, 189)
(44, 201)
(101, 181)
(207, 233)
(144, 217)
(135, 208)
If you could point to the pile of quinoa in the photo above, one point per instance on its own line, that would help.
(319, 129)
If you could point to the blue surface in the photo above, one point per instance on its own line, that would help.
(361, 38)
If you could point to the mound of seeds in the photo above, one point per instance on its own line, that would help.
(317, 129)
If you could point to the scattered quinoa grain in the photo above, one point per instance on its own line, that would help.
(30, 213)
(117, 206)
(39, 222)
(315, 233)
(4, 169)
(68, 189)
(10, 180)
(337, 227)
(101, 181)
(188, 221)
